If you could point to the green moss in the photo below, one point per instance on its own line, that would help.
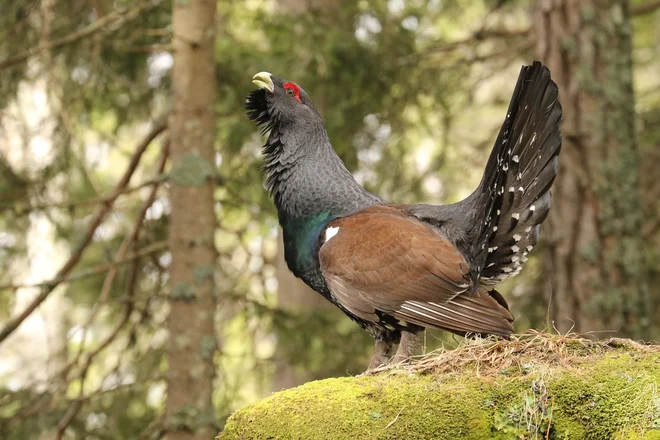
(382, 407)
(605, 396)
(648, 435)
(613, 398)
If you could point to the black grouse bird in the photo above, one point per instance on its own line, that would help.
(395, 269)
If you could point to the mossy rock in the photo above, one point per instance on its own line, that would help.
(533, 387)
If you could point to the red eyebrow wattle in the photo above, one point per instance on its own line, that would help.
(295, 88)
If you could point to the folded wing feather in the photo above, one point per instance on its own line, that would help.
(382, 260)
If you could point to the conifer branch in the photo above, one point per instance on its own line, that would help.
(113, 19)
(73, 260)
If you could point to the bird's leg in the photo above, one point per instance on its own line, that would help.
(407, 346)
(382, 352)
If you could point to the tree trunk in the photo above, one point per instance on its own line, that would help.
(596, 258)
(192, 344)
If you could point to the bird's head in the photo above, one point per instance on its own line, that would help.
(278, 101)
(303, 173)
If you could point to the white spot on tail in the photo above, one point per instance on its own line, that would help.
(515, 158)
(532, 208)
(330, 232)
(515, 249)
(529, 248)
(494, 228)
(516, 237)
(516, 216)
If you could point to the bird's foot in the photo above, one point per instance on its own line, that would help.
(382, 353)
(407, 346)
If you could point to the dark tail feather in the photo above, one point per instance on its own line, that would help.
(514, 194)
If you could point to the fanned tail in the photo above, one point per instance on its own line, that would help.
(514, 195)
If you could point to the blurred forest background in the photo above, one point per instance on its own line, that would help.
(110, 328)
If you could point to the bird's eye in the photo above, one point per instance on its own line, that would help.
(292, 90)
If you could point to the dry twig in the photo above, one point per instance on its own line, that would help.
(490, 357)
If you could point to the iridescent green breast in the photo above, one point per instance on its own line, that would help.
(301, 242)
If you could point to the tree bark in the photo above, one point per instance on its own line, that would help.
(596, 257)
(192, 344)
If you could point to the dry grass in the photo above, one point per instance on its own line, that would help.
(490, 357)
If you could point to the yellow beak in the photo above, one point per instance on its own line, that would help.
(263, 81)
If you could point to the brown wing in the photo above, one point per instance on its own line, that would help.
(381, 259)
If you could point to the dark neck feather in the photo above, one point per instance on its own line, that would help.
(306, 177)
